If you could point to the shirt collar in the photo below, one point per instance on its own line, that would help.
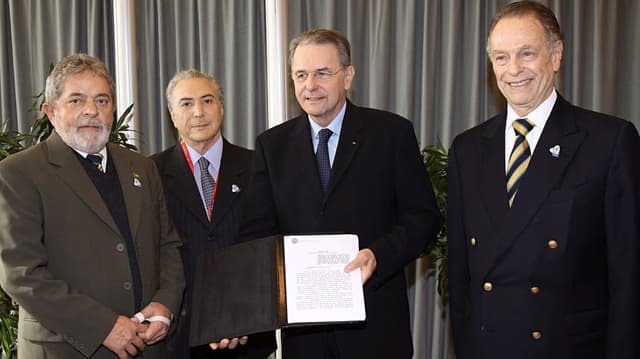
(213, 155)
(538, 116)
(335, 125)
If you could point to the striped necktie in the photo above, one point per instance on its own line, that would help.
(519, 158)
(208, 184)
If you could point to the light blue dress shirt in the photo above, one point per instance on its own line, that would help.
(335, 126)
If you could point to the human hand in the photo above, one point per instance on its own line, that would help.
(366, 261)
(157, 319)
(123, 339)
(229, 343)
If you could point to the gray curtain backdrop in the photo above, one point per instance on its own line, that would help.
(224, 38)
(38, 33)
(423, 59)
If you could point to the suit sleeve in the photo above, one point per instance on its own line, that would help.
(24, 274)
(622, 221)
(259, 214)
(457, 258)
(418, 218)
(172, 282)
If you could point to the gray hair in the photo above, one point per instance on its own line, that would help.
(539, 11)
(322, 37)
(70, 65)
(192, 74)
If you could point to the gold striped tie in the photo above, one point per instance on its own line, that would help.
(519, 158)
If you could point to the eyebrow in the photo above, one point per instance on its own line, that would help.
(207, 95)
(81, 94)
(320, 69)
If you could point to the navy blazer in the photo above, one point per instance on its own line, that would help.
(555, 275)
(378, 189)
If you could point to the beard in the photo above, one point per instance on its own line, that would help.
(85, 140)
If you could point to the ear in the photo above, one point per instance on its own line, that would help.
(349, 74)
(49, 110)
(556, 55)
(172, 119)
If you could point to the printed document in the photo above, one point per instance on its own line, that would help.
(317, 288)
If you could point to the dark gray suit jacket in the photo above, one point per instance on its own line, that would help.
(200, 235)
(563, 261)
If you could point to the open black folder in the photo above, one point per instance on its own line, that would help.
(238, 290)
(242, 289)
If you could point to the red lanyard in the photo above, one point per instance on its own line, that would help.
(190, 163)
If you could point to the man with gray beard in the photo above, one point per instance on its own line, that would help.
(86, 245)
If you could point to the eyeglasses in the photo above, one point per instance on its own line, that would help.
(319, 75)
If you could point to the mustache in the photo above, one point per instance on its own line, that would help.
(91, 122)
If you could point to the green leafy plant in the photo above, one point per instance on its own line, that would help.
(435, 158)
(8, 324)
(10, 141)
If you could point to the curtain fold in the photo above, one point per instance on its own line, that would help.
(224, 38)
(38, 34)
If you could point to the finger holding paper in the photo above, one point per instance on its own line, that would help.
(229, 343)
(366, 261)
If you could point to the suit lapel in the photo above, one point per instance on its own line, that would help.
(544, 172)
(181, 183)
(350, 138)
(228, 188)
(132, 182)
(73, 174)
(304, 158)
(492, 175)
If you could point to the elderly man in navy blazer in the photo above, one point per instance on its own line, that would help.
(544, 209)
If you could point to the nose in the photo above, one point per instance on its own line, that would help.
(197, 109)
(91, 108)
(311, 82)
(514, 66)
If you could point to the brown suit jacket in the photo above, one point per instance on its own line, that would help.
(63, 259)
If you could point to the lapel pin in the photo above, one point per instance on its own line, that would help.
(555, 151)
(235, 188)
(136, 180)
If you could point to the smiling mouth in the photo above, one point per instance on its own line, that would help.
(519, 83)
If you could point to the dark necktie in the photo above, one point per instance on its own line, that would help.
(519, 158)
(208, 184)
(322, 157)
(96, 159)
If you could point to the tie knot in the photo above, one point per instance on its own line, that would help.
(324, 135)
(203, 163)
(96, 159)
(522, 126)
